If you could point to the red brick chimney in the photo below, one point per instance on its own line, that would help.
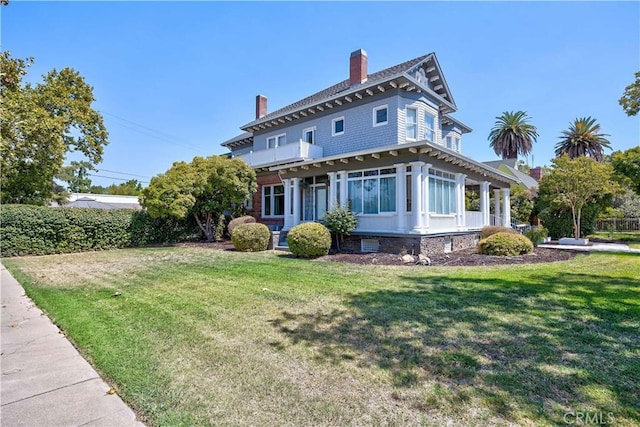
(536, 173)
(261, 106)
(358, 67)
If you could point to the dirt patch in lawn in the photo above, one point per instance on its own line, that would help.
(466, 257)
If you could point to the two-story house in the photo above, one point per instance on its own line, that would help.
(387, 144)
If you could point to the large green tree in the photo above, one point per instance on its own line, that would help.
(76, 175)
(630, 100)
(626, 165)
(583, 138)
(39, 125)
(512, 134)
(204, 188)
(573, 183)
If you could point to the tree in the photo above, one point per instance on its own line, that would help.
(132, 187)
(76, 175)
(582, 139)
(39, 125)
(341, 221)
(626, 165)
(512, 134)
(521, 203)
(575, 182)
(630, 100)
(204, 188)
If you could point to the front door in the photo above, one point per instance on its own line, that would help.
(321, 202)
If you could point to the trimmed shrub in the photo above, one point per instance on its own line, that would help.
(490, 230)
(341, 221)
(43, 230)
(505, 244)
(239, 221)
(309, 240)
(536, 235)
(252, 237)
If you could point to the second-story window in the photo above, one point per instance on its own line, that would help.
(380, 115)
(450, 143)
(309, 135)
(276, 141)
(429, 127)
(412, 123)
(337, 126)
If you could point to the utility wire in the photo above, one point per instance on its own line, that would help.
(113, 177)
(123, 173)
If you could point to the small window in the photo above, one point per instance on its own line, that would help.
(309, 135)
(337, 126)
(412, 123)
(449, 143)
(380, 115)
(276, 141)
(271, 142)
(430, 127)
(282, 140)
(369, 245)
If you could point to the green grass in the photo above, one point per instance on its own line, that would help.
(631, 238)
(205, 337)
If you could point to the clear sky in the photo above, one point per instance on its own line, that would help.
(174, 80)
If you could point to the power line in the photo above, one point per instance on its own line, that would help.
(123, 173)
(113, 177)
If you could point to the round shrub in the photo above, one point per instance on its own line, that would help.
(309, 240)
(239, 221)
(490, 230)
(251, 237)
(505, 244)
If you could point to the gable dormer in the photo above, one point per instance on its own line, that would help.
(428, 74)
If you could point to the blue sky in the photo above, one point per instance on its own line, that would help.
(174, 80)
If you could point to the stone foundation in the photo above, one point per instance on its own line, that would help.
(415, 244)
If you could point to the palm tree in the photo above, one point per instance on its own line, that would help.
(512, 135)
(582, 139)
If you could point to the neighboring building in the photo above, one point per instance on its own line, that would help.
(384, 142)
(102, 201)
(508, 166)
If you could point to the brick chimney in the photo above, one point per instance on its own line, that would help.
(261, 106)
(536, 173)
(358, 67)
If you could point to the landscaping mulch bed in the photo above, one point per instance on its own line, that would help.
(466, 257)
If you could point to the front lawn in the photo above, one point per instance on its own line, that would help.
(193, 336)
(631, 238)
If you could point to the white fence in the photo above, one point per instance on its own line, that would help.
(618, 224)
(294, 151)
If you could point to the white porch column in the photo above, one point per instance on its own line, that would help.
(506, 207)
(287, 203)
(484, 202)
(344, 196)
(296, 202)
(496, 206)
(460, 200)
(333, 190)
(401, 196)
(425, 195)
(416, 190)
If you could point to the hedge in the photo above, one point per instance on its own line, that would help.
(41, 230)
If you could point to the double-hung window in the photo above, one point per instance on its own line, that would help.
(337, 126)
(272, 200)
(429, 127)
(276, 141)
(309, 135)
(380, 115)
(442, 192)
(412, 123)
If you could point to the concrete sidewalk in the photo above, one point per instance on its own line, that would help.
(45, 381)
(594, 247)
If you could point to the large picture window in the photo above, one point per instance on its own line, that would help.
(272, 200)
(442, 192)
(372, 191)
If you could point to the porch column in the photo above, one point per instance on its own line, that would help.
(425, 195)
(296, 202)
(344, 197)
(460, 201)
(333, 190)
(416, 190)
(287, 203)
(496, 207)
(506, 207)
(484, 202)
(401, 196)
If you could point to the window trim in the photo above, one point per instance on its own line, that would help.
(406, 123)
(333, 126)
(272, 199)
(375, 110)
(304, 134)
(276, 138)
(378, 176)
